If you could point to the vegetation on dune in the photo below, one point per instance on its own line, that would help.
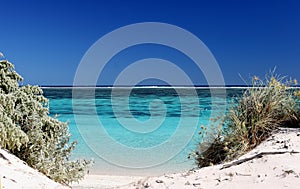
(27, 130)
(264, 107)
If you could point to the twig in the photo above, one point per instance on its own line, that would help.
(3, 157)
(241, 174)
(259, 155)
(13, 180)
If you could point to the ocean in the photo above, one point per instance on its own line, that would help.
(139, 131)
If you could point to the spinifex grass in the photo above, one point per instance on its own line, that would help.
(263, 107)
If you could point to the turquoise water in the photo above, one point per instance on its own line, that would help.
(171, 113)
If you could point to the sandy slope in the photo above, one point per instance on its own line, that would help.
(269, 171)
(15, 174)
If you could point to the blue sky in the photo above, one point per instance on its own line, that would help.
(47, 39)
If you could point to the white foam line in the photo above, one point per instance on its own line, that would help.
(157, 87)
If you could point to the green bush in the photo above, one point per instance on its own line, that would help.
(27, 130)
(263, 107)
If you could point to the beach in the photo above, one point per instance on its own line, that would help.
(277, 167)
(149, 94)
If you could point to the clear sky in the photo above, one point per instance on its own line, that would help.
(47, 39)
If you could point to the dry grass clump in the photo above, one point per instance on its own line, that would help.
(262, 109)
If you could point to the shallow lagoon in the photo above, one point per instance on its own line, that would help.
(158, 120)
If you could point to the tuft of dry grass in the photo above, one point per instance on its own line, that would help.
(263, 107)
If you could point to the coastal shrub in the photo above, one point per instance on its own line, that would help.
(27, 130)
(262, 108)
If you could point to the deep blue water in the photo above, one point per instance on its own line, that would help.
(146, 119)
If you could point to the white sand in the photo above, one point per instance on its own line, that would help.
(15, 174)
(270, 171)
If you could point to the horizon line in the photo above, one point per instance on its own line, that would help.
(151, 86)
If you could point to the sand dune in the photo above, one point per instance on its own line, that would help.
(15, 174)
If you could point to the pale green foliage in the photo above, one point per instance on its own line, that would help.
(263, 107)
(297, 93)
(27, 130)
